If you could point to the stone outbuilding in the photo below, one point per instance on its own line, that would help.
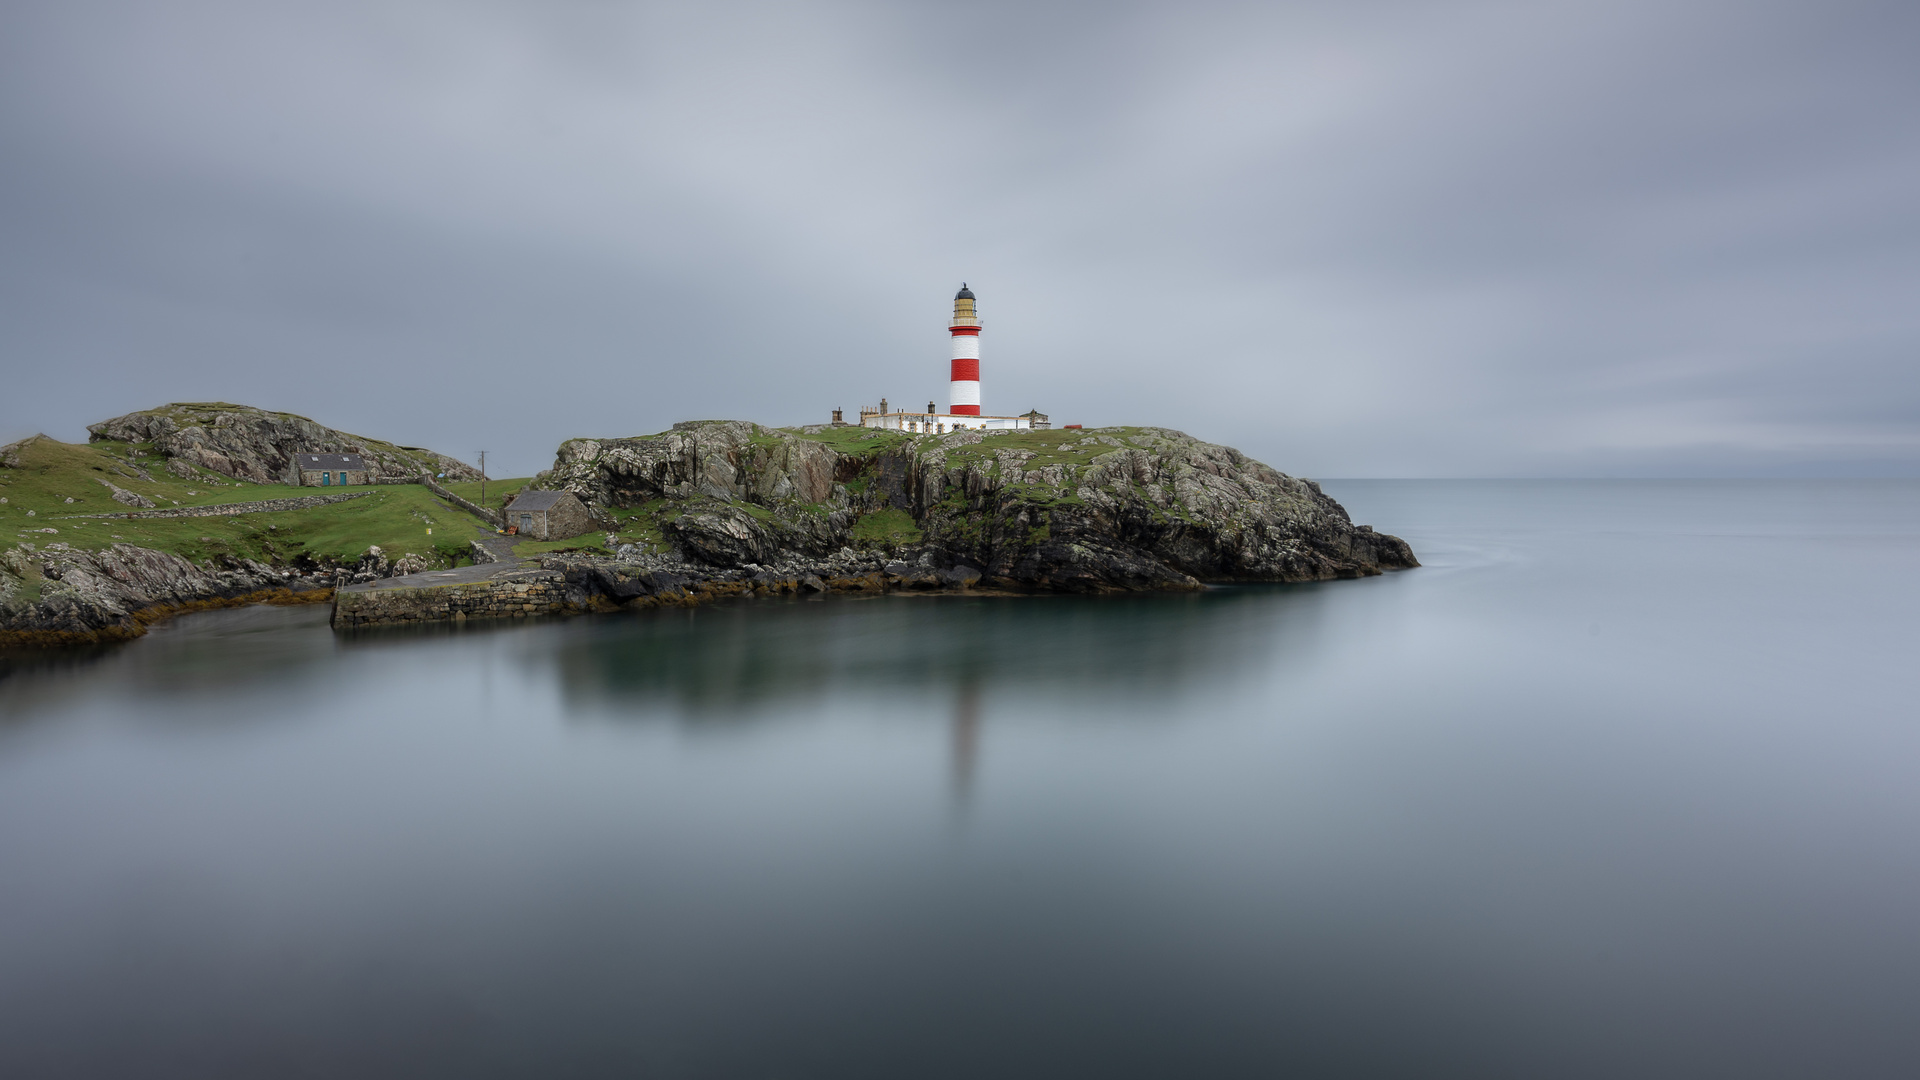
(330, 470)
(549, 515)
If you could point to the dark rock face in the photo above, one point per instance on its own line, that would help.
(59, 595)
(256, 445)
(718, 459)
(1102, 510)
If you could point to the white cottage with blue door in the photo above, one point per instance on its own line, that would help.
(330, 470)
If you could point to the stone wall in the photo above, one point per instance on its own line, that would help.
(507, 595)
(478, 511)
(230, 509)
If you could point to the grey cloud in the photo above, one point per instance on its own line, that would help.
(1354, 239)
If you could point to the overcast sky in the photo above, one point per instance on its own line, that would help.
(1352, 238)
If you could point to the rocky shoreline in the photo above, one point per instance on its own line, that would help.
(732, 509)
(574, 585)
(1110, 510)
(57, 595)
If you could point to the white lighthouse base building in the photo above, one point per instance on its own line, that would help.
(935, 423)
(963, 407)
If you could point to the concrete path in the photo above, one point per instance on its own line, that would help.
(500, 546)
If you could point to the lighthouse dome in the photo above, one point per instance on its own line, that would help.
(964, 293)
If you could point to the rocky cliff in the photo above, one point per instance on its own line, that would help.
(58, 595)
(252, 444)
(1098, 510)
(62, 595)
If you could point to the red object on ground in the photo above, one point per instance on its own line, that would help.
(1072, 427)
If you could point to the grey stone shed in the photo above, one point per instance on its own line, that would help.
(549, 515)
(330, 470)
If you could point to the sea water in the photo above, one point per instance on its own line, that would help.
(1624, 781)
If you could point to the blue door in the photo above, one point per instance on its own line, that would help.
(326, 479)
(343, 479)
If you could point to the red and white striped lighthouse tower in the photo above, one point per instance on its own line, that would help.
(963, 397)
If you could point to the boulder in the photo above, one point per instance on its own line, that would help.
(245, 443)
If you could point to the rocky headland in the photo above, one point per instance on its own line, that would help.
(1106, 510)
(711, 509)
(67, 577)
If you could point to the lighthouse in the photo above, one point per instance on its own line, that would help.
(963, 394)
(963, 389)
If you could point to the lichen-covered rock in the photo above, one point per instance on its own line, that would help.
(718, 459)
(59, 595)
(246, 443)
(11, 454)
(1101, 510)
(373, 564)
(410, 563)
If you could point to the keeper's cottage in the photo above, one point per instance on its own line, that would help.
(330, 470)
(548, 515)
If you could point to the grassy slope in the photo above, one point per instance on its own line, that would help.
(497, 490)
(394, 516)
(858, 441)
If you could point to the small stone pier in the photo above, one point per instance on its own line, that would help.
(498, 592)
(500, 586)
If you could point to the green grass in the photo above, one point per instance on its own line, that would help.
(1055, 447)
(396, 517)
(763, 439)
(643, 524)
(1073, 449)
(588, 544)
(855, 441)
(886, 527)
(497, 490)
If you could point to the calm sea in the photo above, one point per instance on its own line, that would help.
(1624, 782)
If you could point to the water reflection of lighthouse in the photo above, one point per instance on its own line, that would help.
(966, 739)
